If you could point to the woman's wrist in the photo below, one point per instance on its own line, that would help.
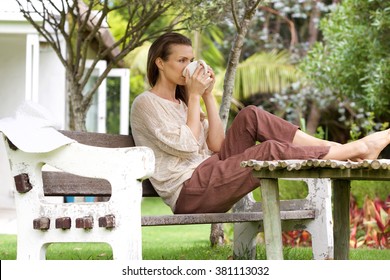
(194, 98)
(208, 99)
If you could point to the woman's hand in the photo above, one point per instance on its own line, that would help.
(211, 77)
(200, 83)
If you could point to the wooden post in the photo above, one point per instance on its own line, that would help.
(341, 231)
(271, 219)
(245, 233)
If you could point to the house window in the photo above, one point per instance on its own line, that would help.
(109, 112)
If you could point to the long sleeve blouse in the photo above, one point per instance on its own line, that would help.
(161, 125)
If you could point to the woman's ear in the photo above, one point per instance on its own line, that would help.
(159, 63)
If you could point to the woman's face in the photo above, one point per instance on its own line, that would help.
(172, 68)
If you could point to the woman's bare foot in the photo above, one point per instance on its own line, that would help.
(375, 143)
(368, 147)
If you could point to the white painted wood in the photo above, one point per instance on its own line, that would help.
(96, 116)
(245, 233)
(124, 75)
(32, 67)
(122, 167)
(6, 191)
(321, 228)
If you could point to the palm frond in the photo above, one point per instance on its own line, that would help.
(264, 73)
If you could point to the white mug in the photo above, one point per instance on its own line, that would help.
(193, 65)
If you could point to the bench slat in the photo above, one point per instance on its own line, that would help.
(100, 139)
(211, 218)
(65, 184)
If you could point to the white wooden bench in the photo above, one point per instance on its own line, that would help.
(105, 165)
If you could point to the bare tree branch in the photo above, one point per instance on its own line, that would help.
(294, 37)
(77, 32)
(250, 7)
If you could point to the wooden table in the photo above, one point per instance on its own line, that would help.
(341, 173)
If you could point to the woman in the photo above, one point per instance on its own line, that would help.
(197, 167)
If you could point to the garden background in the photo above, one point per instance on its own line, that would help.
(321, 64)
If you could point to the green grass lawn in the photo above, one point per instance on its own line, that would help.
(190, 242)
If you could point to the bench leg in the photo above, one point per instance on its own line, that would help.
(245, 240)
(321, 228)
(271, 219)
(121, 251)
(125, 249)
(341, 193)
(31, 250)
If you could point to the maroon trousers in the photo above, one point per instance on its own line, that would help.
(219, 182)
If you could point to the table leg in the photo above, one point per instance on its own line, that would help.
(271, 219)
(341, 227)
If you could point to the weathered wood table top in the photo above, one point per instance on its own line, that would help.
(339, 172)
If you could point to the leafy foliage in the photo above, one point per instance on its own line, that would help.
(370, 225)
(354, 59)
(264, 72)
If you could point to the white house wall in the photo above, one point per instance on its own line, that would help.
(52, 85)
(28, 73)
(29, 70)
(12, 72)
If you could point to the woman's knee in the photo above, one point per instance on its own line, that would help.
(249, 109)
(248, 113)
(271, 150)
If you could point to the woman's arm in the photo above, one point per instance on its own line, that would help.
(200, 85)
(193, 115)
(216, 133)
(151, 122)
(195, 86)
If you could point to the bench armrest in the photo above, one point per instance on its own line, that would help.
(116, 165)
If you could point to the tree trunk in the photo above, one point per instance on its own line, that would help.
(77, 113)
(228, 85)
(217, 234)
(233, 61)
(313, 24)
(313, 119)
(77, 116)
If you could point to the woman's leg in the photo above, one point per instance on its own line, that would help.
(217, 184)
(368, 147)
(251, 125)
(303, 139)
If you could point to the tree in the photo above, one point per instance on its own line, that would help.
(242, 13)
(73, 28)
(353, 60)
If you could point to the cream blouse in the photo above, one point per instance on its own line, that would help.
(161, 125)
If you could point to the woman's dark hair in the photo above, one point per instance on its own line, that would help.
(161, 48)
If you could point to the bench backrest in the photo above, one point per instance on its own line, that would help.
(65, 184)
